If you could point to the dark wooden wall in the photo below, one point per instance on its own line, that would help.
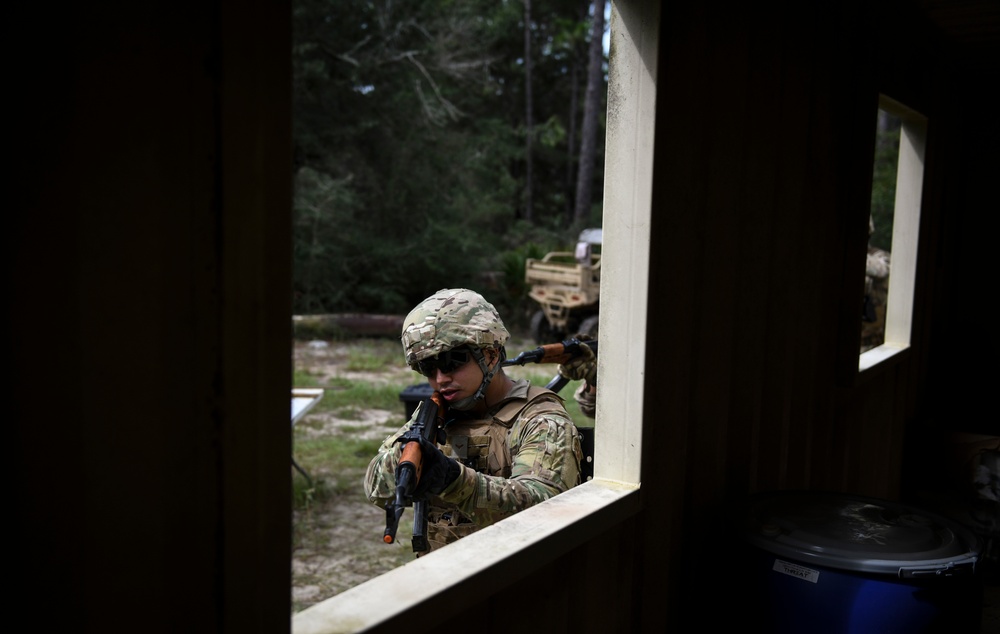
(763, 145)
(148, 267)
(148, 259)
(764, 140)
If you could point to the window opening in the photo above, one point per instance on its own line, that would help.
(614, 492)
(894, 220)
(880, 215)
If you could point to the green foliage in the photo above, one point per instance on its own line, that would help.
(515, 304)
(884, 179)
(506, 287)
(409, 142)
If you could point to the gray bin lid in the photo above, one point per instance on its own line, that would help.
(861, 534)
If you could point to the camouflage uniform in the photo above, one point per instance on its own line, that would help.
(523, 450)
(876, 295)
(586, 399)
(583, 368)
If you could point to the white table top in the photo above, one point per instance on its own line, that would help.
(303, 400)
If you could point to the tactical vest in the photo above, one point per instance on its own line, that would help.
(482, 444)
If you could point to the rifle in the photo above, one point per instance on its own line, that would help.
(554, 353)
(429, 424)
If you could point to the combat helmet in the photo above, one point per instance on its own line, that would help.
(450, 318)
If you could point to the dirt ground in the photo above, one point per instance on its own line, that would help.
(337, 542)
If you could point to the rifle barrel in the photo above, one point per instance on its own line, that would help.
(552, 352)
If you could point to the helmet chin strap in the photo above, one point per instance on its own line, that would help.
(469, 402)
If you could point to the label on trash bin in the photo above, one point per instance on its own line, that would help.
(795, 570)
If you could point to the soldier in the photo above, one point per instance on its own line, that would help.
(509, 445)
(876, 294)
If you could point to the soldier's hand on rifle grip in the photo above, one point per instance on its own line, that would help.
(582, 367)
(437, 473)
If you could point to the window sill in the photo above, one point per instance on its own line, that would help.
(492, 557)
(880, 356)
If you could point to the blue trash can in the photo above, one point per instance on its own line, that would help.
(823, 562)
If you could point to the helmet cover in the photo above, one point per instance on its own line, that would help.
(450, 318)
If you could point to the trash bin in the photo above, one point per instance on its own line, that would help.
(828, 562)
(413, 395)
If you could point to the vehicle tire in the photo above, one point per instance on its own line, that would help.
(542, 331)
(589, 326)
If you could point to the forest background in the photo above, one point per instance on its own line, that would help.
(439, 144)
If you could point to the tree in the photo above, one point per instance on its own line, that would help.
(529, 123)
(592, 108)
(411, 160)
(883, 200)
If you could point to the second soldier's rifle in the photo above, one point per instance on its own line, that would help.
(561, 352)
(429, 425)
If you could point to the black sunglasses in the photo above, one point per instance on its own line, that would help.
(447, 362)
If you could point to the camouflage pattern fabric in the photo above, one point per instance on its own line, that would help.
(450, 318)
(876, 295)
(586, 399)
(581, 368)
(509, 463)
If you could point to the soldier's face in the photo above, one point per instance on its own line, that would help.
(463, 381)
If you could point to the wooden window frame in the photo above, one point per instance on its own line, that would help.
(905, 236)
(443, 582)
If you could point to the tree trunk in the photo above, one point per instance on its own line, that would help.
(528, 114)
(339, 325)
(571, 142)
(592, 105)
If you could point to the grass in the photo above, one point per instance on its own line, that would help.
(336, 461)
(335, 456)
(375, 357)
(304, 378)
(362, 395)
(336, 532)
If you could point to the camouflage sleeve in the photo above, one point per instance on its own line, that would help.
(546, 457)
(877, 264)
(586, 399)
(380, 478)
